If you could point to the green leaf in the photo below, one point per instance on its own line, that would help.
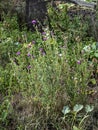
(93, 46)
(77, 107)
(4, 115)
(89, 108)
(96, 45)
(65, 110)
(61, 6)
(96, 54)
(75, 128)
(87, 48)
(93, 81)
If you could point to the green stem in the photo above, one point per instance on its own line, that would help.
(86, 116)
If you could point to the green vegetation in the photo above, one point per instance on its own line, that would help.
(48, 79)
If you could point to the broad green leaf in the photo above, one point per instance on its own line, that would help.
(65, 110)
(77, 107)
(96, 54)
(93, 46)
(97, 45)
(89, 108)
(87, 48)
(93, 81)
(61, 6)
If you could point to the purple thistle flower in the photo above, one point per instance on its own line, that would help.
(18, 53)
(43, 53)
(78, 62)
(44, 39)
(33, 42)
(28, 54)
(34, 21)
(29, 66)
(43, 33)
(41, 49)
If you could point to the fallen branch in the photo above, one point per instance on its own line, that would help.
(84, 3)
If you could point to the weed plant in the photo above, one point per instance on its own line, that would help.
(44, 76)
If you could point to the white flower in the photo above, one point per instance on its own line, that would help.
(60, 54)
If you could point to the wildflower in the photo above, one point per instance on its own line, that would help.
(29, 66)
(43, 53)
(33, 42)
(16, 43)
(87, 48)
(28, 54)
(78, 62)
(34, 21)
(41, 49)
(44, 39)
(43, 33)
(18, 53)
(29, 45)
(60, 54)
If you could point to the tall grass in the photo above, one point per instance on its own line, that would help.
(44, 72)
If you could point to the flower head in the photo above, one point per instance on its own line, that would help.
(60, 55)
(28, 54)
(44, 38)
(43, 33)
(41, 49)
(29, 45)
(43, 53)
(29, 66)
(34, 21)
(16, 43)
(78, 62)
(33, 42)
(18, 53)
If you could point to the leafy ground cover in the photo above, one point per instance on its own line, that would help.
(49, 79)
